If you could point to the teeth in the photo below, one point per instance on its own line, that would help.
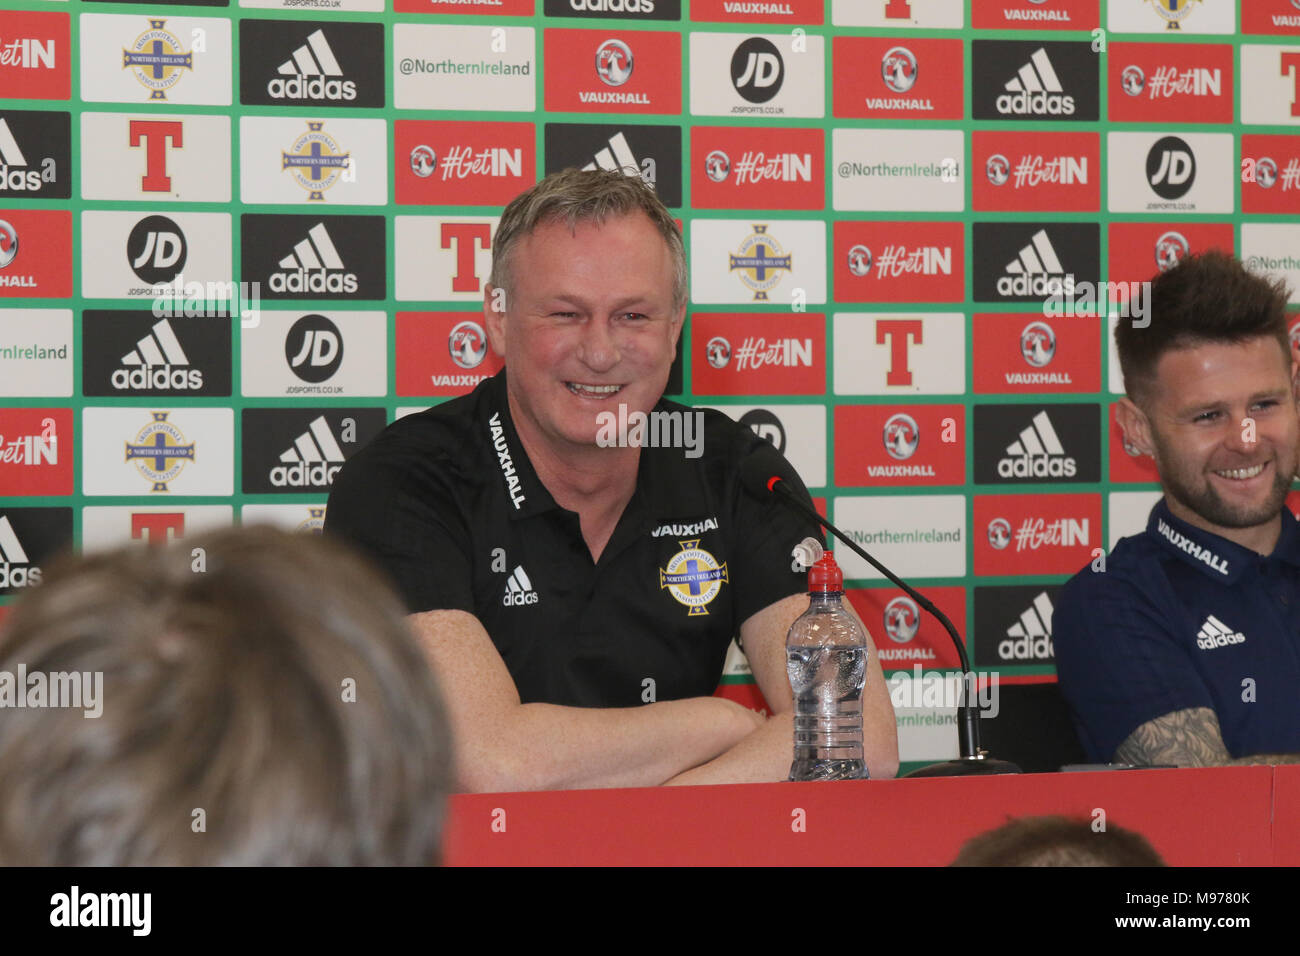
(592, 389)
(1241, 472)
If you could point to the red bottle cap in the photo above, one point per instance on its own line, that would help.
(825, 575)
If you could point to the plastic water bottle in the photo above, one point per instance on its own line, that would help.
(826, 659)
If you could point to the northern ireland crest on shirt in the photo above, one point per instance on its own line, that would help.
(693, 577)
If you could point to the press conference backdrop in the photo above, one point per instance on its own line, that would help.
(878, 196)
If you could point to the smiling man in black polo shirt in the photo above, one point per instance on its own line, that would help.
(574, 587)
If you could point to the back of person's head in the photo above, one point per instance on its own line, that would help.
(262, 703)
(1206, 298)
(1057, 841)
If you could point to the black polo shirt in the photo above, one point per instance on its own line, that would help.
(447, 502)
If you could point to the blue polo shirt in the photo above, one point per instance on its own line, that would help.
(1183, 618)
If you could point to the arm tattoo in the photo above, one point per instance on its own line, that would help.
(1187, 738)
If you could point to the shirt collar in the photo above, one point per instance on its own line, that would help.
(1215, 556)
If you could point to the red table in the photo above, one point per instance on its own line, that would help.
(1221, 816)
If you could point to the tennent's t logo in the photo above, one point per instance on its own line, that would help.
(466, 238)
(156, 134)
(898, 333)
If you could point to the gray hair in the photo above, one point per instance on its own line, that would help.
(572, 196)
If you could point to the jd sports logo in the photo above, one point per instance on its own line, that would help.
(1060, 443)
(519, 589)
(764, 424)
(757, 70)
(34, 155)
(298, 63)
(156, 250)
(314, 348)
(1171, 167)
(315, 257)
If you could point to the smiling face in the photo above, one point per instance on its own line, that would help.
(1221, 423)
(589, 325)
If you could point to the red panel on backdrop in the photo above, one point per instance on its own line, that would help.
(897, 78)
(892, 445)
(1035, 534)
(735, 167)
(1170, 82)
(899, 262)
(1017, 170)
(755, 354)
(35, 55)
(904, 634)
(1270, 174)
(1036, 15)
(453, 163)
(729, 11)
(603, 71)
(43, 263)
(1123, 466)
(1136, 246)
(37, 450)
(442, 353)
(1024, 352)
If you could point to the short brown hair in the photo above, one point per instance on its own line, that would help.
(1207, 297)
(1057, 841)
(265, 679)
(572, 196)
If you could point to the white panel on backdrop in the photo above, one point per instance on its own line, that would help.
(443, 258)
(898, 169)
(1129, 511)
(798, 431)
(123, 254)
(915, 536)
(139, 59)
(309, 518)
(757, 76)
(752, 260)
(315, 352)
(450, 67)
(929, 362)
(175, 157)
(1192, 16)
(1273, 249)
(1170, 173)
(41, 363)
(1270, 84)
(315, 6)
(148, 451)
(320, 162)
(111, 526)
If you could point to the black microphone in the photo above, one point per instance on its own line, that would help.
(765, 473)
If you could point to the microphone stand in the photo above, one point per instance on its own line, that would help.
(973, 760)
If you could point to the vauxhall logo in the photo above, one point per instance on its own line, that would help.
(314, 266)
(312, 73)
(156, 250)
(1171, 167)
(757, 70)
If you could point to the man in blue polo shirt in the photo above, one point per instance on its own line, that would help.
(1185, 649)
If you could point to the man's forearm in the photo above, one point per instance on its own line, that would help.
(548, 747)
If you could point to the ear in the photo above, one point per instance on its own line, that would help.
(494, 318)
(679, 322)
(1133, 423)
